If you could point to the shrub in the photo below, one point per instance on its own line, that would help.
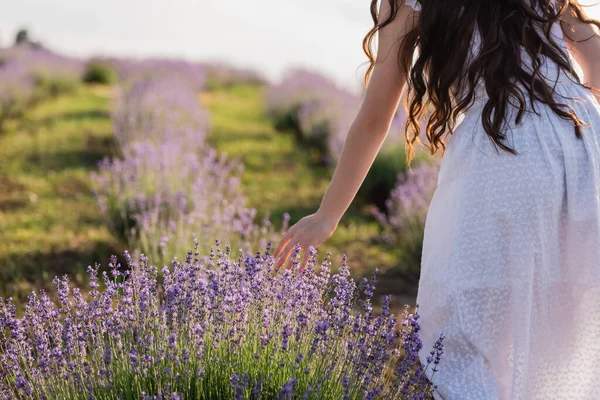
(325, 122)
(53, 84)
(404, 223)
(22, 37)
(98, 72)
(213, 328)
(220, 75)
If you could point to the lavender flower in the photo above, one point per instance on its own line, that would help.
(158, 110)
(169, 187)
(287, 391)
(199, 335)
(406, 210)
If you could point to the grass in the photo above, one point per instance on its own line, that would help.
(50, 223)
(280, 176)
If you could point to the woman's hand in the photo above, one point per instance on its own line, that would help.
(311, 230)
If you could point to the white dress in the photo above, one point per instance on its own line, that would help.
(511, 258)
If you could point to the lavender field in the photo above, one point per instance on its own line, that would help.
(139, 204)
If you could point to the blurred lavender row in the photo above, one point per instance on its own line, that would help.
(30, 74)
(319, 111)
(403, 219)
(199, 75)
(169, 187)
(214, 327)
(131, 70)
(222, 75)
(41, 61)
(321, 114)
(160, 110)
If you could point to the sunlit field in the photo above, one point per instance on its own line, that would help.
(140, 201)
(49, 221)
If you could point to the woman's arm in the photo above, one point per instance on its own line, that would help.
(372, 123)
(363, 141)
(583, 41)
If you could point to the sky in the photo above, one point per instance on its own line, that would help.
(267, 35)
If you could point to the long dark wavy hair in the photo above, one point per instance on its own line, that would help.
(442, 37)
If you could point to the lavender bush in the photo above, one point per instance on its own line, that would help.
(406, 210)
(160, 202)
(160, 110)
(325, 122)
(131, 70)
(43, 61)
(213, 328)
(28, 75)
(321, 113)
(169, 186)
(53, 73)
(298, 87)
(315, 108)
(382, 177)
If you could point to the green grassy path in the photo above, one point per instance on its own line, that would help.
(280, 177)
(49, 221)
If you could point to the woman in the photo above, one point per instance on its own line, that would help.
(510, 270)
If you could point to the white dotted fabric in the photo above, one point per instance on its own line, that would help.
(511, 258)
(414, 4)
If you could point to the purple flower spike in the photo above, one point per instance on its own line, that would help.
(215, 325)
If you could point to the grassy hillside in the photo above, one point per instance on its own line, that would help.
(49, 221)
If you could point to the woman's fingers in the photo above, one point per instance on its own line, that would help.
(284, 242)
(286, 253)
(304, 259)
(280, 247)
(307, 230)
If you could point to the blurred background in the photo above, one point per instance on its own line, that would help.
(141, 126)
(267, 35)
